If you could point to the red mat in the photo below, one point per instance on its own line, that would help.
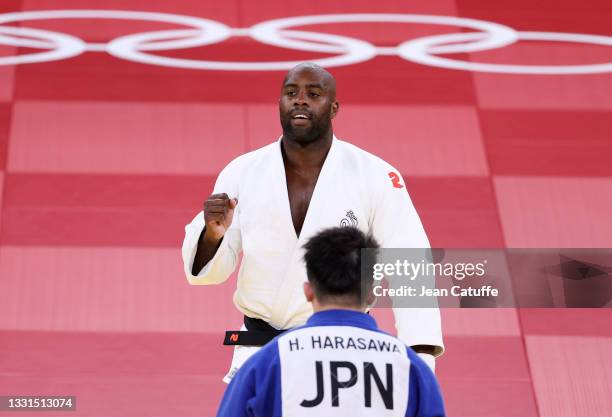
(103, 161)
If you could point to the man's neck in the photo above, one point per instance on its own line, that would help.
(307, 156)
(317, 307)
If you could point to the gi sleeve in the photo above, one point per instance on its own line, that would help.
(396, 224)
(255, 390)
(424, 397)
(221, 266)
(239, 394)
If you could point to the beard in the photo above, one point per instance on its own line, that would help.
(305, 135)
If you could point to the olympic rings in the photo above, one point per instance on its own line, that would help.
(210, 31)
(126, 48)
(278, 32)
(69, 46)
(499, 35)
(413, 50)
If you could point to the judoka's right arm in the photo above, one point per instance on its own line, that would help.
(213, 240)
(218, 215)
(239, 394)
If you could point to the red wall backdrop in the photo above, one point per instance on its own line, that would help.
(103, 161)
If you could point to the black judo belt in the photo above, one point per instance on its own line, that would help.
(258, 333)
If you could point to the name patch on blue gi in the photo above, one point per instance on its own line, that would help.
(342, 370)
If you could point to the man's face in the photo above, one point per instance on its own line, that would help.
(307, 105)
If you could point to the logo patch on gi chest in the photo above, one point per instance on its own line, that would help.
(349, 220)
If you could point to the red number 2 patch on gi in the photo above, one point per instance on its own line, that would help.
(395, 180)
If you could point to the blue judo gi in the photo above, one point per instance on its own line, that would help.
(338, 364)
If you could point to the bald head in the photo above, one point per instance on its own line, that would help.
(327, 80)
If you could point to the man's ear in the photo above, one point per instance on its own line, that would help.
(308, 292)
(335, 107)
(370, 299)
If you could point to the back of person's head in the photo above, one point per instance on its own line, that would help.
(334, 260)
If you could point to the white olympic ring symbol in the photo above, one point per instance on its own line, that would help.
(347, 50)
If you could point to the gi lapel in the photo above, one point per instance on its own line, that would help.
(295, 276)
(282, 195)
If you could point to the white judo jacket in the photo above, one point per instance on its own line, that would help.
(354, 188)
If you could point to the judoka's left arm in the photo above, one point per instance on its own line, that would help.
(425, 397)
(396, 224)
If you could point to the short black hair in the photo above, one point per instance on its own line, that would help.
(334, 264)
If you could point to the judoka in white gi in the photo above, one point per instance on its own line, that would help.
(344, 364)
(267, 203)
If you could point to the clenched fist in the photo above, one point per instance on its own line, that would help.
(218, 215)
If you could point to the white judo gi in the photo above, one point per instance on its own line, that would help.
(354, 188)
